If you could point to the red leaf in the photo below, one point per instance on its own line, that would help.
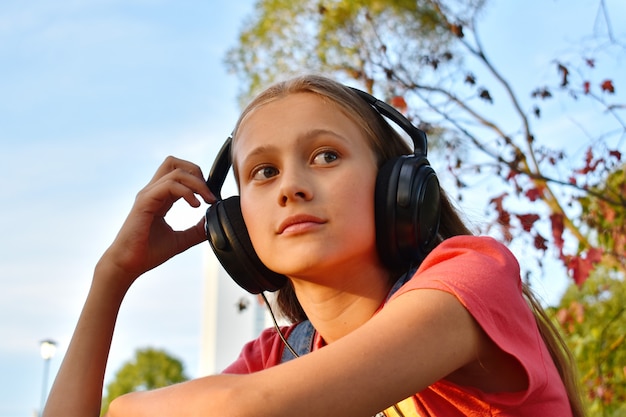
(498, 200)
(457, 30)
(543, 93)
(594, 255)
(534, 194)
(590, 164)
(399, 103)
(527, 220)
(512, 174)
(617, 154)
(586, 87)
(581, 266)
(569, 317)
(557, 230)
(564, 74)
(607, 85)
(540, 242)
(504, 216)
(484, 94)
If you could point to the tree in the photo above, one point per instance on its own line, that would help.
(426, 57)
(149, 369)
(593, 319)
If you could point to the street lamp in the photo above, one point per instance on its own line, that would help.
(47, 349)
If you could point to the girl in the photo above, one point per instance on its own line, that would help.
(453, 334)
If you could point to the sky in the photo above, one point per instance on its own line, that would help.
(93, 96)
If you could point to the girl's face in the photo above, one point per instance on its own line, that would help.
(307, 179)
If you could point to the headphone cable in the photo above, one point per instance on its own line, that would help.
(277, 327)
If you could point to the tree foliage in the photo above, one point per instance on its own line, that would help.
(593, 319)
(149, 369)
(427, 58)
(342, 36)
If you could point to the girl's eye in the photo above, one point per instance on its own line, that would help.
(264, 173)
(325, 157)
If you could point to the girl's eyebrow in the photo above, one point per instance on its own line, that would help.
(310, 134)
(303, 137)
(259, 150)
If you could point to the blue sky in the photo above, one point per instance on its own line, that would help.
(93, 96)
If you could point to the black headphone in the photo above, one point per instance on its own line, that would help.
(407, 211)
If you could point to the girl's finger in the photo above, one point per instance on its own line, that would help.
(186, 173)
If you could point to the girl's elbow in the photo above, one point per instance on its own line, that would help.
(135, 404)
(117, 406)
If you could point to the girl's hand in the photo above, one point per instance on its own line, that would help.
(145, 239)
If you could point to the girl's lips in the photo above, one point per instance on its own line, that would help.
(298, 221)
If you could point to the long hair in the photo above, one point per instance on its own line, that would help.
(386, 144)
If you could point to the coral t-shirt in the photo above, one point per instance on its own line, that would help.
(485, 277)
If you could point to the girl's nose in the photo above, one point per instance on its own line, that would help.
(295, 186)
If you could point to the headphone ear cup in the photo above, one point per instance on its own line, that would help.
(385, 213)
(428, 202)
(407, 210)
(227, 233)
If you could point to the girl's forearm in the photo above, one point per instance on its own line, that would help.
(77, 390)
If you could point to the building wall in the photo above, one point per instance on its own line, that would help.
(231, 317)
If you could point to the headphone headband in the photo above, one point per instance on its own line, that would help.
(420, 143)
(220, 168)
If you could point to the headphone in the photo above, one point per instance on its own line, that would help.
(406, 206)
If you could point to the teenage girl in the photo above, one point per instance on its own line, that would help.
(408, 314)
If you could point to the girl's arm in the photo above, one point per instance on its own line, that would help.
(418, 339)
(144, 241)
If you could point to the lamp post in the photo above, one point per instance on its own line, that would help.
(47, 349)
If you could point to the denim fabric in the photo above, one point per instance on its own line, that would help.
(300, 339)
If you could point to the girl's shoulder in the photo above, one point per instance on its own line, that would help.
(479, 271)
(470, 258)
